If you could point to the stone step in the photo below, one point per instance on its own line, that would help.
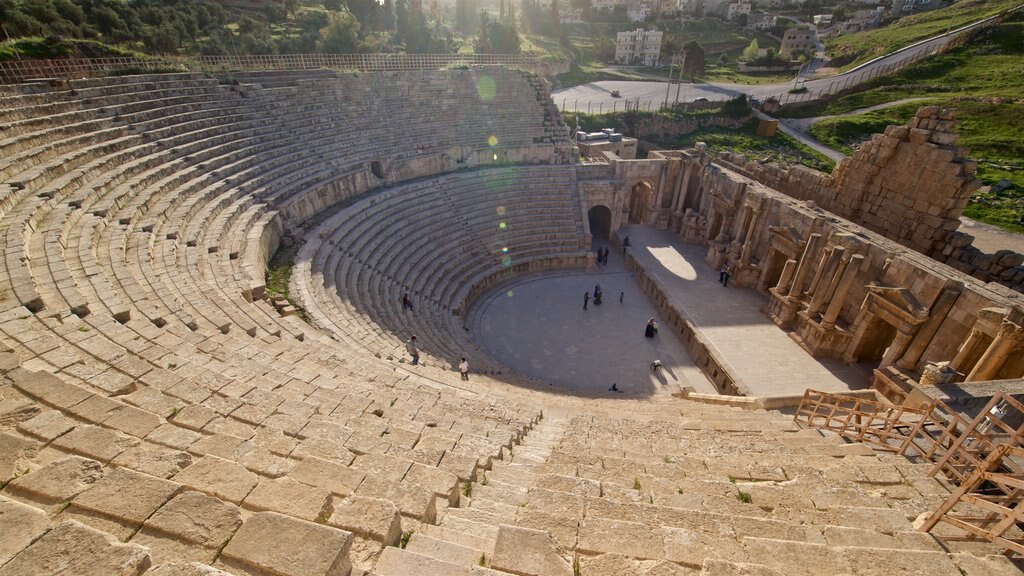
(444, 550)
(510, 496)
(399, 562)
(477, 528)
(459, 537)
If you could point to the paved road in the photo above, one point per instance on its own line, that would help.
(596, 96)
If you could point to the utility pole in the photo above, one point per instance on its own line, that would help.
(669, 85)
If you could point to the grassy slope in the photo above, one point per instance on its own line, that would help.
(992, 66)
(852, 49)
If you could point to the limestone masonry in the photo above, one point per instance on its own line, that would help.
(162, 414)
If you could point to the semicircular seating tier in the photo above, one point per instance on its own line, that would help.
(158, 414)
(448, 237)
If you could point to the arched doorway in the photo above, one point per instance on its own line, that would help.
(640, 202)
(600, 218)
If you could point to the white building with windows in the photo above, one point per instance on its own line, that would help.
(638, 47)
(736, 9)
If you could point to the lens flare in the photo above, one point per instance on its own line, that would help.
(501, 225)
(486, 88)
(509, 294)
(492, 141)
(495, 157)
(506, 261)
(504, 249)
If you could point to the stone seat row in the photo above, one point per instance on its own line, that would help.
(378, 292)
(113, 483)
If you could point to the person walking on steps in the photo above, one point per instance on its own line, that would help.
(413, 351)
(464, 369)
(406, 303)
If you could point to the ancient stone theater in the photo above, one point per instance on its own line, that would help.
(212, 279)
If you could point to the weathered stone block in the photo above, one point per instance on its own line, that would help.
(192, 526)
(372, 518)
(57, 482)
(289, 497)
(121, 501)
(14, 454)
(94, 442)
(73, 549)
(529, 553)
(218, 477)
(340, 480)
(21, 525)
(273, 543)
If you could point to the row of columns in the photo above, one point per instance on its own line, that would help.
(1006, 341)
(831, 283)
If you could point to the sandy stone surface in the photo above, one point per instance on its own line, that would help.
(121, 501)
(94, 442)
(190, 569)
(280, 545)
(192, 526)
(289, 497)
(154, 460)
(529, 553)
(14, 454)
(73, 549)
(372, 518)
(218, 477)
(20, 525)
(47, 425)
(57, 482)
(340, 480)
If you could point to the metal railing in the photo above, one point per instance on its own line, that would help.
(14, 71)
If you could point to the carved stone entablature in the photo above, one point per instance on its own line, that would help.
(896, 305)
(787, 240)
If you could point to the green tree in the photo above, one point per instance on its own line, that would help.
(341, 35)
(751, 51)
(694, 64)
(501, 39)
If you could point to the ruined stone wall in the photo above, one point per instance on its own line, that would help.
(910, 184)
(860, 296)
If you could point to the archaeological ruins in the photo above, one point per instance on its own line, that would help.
(166, 411)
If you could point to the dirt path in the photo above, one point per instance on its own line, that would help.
(804, 124)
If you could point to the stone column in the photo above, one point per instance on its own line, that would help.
(943, 304)
(813, 244)
(833, 285)
(896, 349)
(748, 245)
(966, 349)
(992, 360)
(787, 276)
(819, 288)
(681, 194)
(822, 264)
(836, 305)
(662, 184)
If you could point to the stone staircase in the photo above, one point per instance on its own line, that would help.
(464, 540)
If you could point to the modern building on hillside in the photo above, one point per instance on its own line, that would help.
(736, 9)
(797, 40)
(638, 47)
(761, 21)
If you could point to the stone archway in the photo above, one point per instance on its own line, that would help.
(600, 218)
(640, 196)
